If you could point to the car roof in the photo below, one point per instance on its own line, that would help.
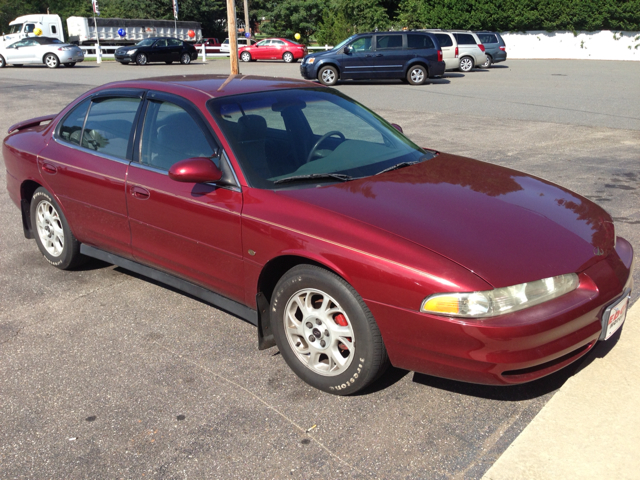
(213, 85)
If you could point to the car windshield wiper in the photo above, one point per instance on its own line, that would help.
(315, 176)
(397, 166)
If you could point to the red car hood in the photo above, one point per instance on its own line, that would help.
(506, 226)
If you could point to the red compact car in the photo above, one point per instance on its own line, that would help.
(273, 49)
(294, 207)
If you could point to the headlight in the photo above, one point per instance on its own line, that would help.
(131, 52)
(500, 300)
(311, 60)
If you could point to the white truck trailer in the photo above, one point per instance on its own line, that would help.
(26, 25)
(82, 30)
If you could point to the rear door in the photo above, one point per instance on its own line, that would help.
(277, 49)
(390, 55)
(189, 229)
(86, 165)
(174, 49)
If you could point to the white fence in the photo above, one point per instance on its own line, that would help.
(108, 51)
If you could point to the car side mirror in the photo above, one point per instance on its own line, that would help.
(348, 49)
(195, 170)
(397, 127)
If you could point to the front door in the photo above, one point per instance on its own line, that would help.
(359, 61)
(189, 229)
(23, 51)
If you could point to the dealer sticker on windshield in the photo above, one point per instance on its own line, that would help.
(615, 319)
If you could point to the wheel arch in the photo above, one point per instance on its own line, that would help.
(418, 61)
(333, 64)
(271, 273)
(49, 53)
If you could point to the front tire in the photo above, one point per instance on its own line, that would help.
(51, 60)
(466, 64)
(3, 63)
(328, 76)
(141, 59)
(185, 59)
(417, 75)
(325, 332)
(488, 62)
(51, 230)
(288, 57)
(245, 56)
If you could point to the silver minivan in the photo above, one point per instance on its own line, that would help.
(449, 46)
(470, 48)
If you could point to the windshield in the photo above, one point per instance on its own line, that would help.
(314, 134)
(15, 28)
(343, 43)
(147, 42)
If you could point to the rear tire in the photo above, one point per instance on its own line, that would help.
(51, 60)
(168, 62)
(325, 332)
(417, 75)
(466, 64)
(70, 65)
(3, 63)
(52, 233)
(185, 59)
(328, 76)
(488, 62)
(287, 57)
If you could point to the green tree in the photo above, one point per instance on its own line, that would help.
(287, 17)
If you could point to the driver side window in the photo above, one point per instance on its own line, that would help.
(362, 44)
(169, 135)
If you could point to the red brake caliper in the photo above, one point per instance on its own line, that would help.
(340, 320)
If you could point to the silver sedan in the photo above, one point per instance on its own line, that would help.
(41, 50)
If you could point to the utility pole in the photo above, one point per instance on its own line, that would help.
(233, 36)
(247, 28)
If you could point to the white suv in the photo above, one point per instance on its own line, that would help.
(471, 50)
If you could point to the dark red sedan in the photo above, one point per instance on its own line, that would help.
(299, 210)
(273, 49)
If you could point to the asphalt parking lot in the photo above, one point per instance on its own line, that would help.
(107, 375)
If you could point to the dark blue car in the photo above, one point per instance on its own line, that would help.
(410, 56)
(495, 48)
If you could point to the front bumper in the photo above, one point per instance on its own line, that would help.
(308, 71)
(124, 58)
(513, 348)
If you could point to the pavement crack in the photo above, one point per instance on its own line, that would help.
(266, 404)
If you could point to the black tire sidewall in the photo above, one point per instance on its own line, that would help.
(70, 251)
(185, 59)
(366, 363)
(139, 57)
(3, 62)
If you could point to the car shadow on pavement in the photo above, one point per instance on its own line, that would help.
(430, 81)
(524, 391)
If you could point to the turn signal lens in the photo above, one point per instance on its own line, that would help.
(500, 300)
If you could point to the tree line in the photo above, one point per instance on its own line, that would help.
(331, 21)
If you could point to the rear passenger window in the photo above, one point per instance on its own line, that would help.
(420, 41)
(385, 42)
(174, 42)
(108, 126)
(464, 39)
(169, 135)
(444, 40)
(487, 38)
(71, 128)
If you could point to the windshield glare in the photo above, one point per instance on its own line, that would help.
(147, 42)
(299, 132)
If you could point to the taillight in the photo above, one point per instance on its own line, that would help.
(456, 52)
(504, 49)
(481, 47)
(439, 55)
